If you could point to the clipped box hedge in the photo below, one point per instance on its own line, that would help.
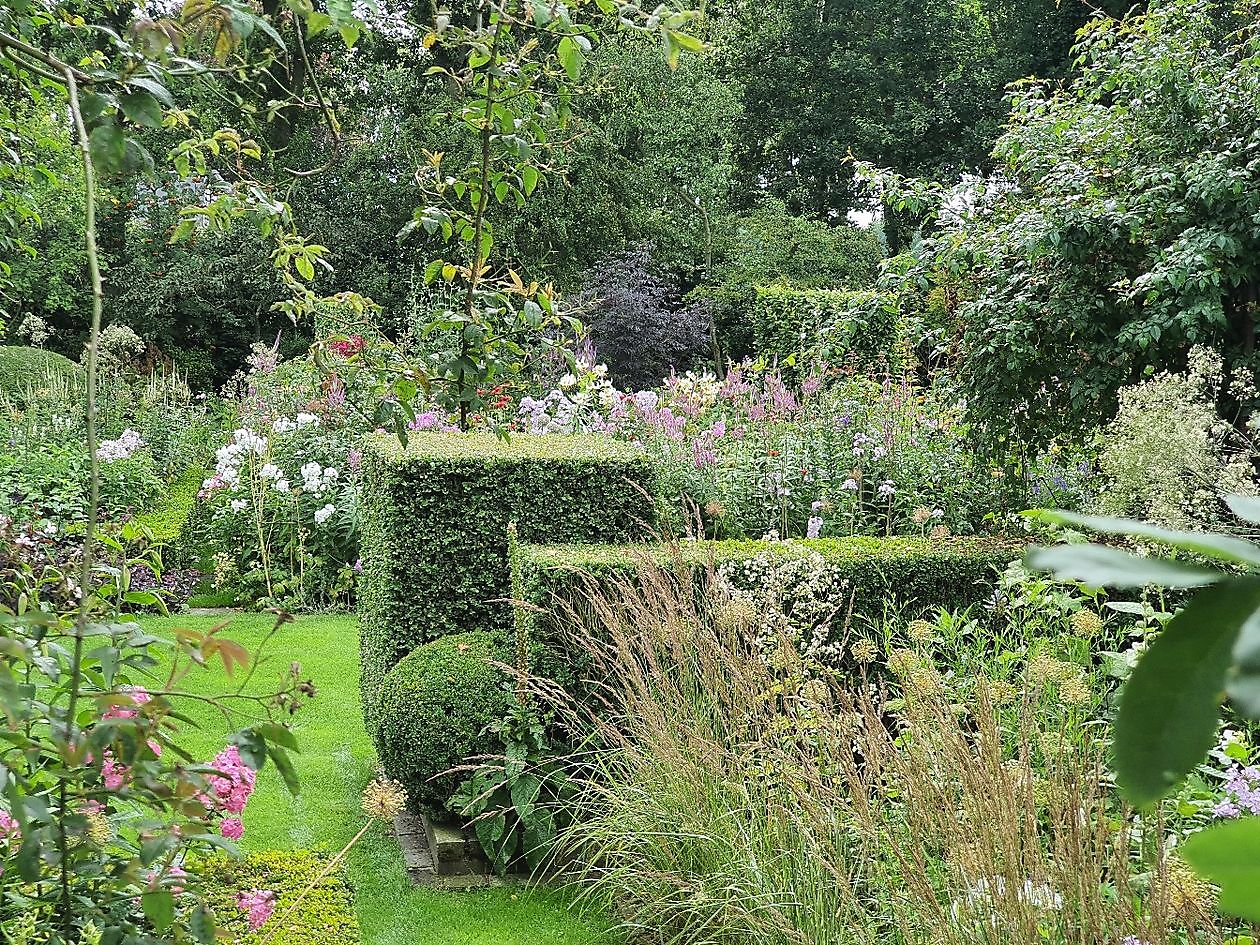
(911, 572)
(789, 322)
(324, 913)
(435, 522)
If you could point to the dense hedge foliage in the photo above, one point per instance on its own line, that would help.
(325, 916)
(906, 572)
(167, 520)
(22, 367)
(435, 517)
(789, 321)
(435, 707)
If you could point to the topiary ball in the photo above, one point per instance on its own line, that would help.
(434, 708)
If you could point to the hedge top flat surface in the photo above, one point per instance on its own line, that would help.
(857, 548)
(485, 447)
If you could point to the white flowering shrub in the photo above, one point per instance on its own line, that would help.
(283, 510)
(782, 597)
(1168, 457)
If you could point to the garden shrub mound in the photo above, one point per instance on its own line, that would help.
(22, 368)
(789, 322)
(435, 708)
(435, 518)
(325, 915)
(910, 571)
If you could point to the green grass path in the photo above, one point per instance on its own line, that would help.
(336, 761)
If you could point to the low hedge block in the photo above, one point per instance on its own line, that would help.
(435, 707)
(325, 915)
(915, 572)
(435, 517)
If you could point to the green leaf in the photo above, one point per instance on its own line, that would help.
(1111, 567)
(284, 764)
(305, 268)
(274, 732)
(142, 108)
(251, 747)
(1244, 678)
(571, 57)
(159, 907)
(1245, 507)
(349, 35)
(1222, 547)
(201, 925)
(1170, 707)
(529, 178)
(525, 789)
(1229, 855)
(108, 146)
(317, 22)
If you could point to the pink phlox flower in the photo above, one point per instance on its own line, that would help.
(259, 904)
(136, 696)
(114, 775)
(10, 829)
(232, 827)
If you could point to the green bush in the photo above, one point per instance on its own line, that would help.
(435, 516)
(789, 322)
(166, 521)
(435, 706)
(23, 368)
(906, 572)
(325, 916)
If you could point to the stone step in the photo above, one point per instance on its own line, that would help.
(443, 856)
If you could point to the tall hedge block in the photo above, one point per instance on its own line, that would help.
(789, 321)
(435, 523)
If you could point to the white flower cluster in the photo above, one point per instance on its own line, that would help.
(228, 458)
(794, 596)
(302, 420)
(121, 448)
(316, 478)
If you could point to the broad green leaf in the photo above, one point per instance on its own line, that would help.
(159, 908)
(571, 57)
(529, 178)
(1170, 708)
(317, 22)
(201, 925)
(525, 789)
(1245, 507)
(1221, 547)
(1244, 678)
(108, 147)
(349, 35)
(142, 108)
(1111, 567)
(305, 268)
(1229, 855)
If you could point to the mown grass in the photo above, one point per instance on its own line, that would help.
(336, 761)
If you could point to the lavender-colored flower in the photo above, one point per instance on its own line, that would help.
(1242, 793)
(849, 485)
(887, 489)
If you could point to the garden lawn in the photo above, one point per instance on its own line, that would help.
(336, 761)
